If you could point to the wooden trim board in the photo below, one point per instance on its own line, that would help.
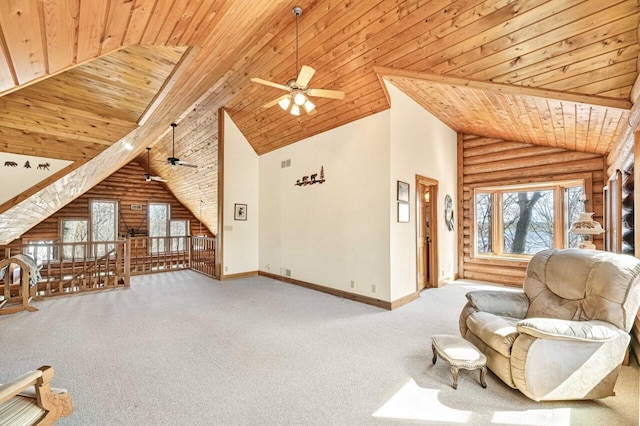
(344, 294)
(248, 274)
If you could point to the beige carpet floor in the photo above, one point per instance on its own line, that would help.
(181, 349)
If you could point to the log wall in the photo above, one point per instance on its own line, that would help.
(128, 187)
(486, 161)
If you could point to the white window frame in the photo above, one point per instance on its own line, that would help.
(92, 239)
(62, 240)
(560, 214)
(152, 248)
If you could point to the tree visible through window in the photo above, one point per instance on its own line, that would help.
(103, 225)
(484, 222)
(528, 221)
(524, 221)
(74, 231)
(178, 228)
(158, 225)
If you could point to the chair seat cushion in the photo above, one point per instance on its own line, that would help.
(495, 331)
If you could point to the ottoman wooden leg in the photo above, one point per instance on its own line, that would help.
(454, 372)
(435, 354)
(483, 372)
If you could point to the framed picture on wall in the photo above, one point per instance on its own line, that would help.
(403, 191)
(403, 212)
(240, 212)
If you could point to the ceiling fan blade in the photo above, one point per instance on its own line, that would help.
(182, 163)
(305, 76)
(324, 93)
(274, 102)
(269, 83)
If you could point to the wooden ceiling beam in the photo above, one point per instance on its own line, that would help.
(180, 68)
(509, 89)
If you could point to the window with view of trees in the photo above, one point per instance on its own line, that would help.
(178, 228)
(521, 220)
(41, 251)
(74, 231)
(104, 222)
(161, 225)
(158, 225)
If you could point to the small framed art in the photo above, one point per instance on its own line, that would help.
(403, 191)
(240, 212)
(403, 212)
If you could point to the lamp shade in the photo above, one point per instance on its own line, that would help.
(284, 103)
(585, 225)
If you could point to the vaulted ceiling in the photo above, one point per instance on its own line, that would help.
(67, 65)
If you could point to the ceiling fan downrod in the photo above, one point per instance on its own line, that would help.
(297, 10)
(173, 140)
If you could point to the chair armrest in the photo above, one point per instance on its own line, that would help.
(504, 303)
(585, 331)
(14, 387)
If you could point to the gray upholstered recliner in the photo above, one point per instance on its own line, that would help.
(565, 336)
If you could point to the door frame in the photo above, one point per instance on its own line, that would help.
(433, 229)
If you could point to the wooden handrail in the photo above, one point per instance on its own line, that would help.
(96, 262)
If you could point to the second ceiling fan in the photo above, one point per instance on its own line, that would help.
(299, 91)
(173, 160)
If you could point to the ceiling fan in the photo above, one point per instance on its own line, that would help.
(173, 160)
(299, 91)
(147, 176)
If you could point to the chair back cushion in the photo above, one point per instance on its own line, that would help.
(580, 285)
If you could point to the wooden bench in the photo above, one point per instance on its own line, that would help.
(29, 276)
(30, 400)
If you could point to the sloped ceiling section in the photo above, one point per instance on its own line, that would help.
(222, 36)
(196, 142)
(587, 47)
(566, 120)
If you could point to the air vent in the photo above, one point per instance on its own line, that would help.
(136, 207)
(285, 163)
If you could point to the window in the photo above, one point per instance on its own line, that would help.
(158, 225)
(522, 220)
(178, 228)
(41, 251)
(104, 223)
(74, 231)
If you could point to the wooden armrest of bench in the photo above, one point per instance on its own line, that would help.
(14, 387)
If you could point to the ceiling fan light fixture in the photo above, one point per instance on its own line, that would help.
(299, 98)
(295, 110)
(309, 106)
(284, 103)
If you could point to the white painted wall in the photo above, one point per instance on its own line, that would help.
(240, 238)
(420, 144)
(18, 179)
(331, 233)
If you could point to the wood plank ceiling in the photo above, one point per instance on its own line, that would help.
(564, 122)
(587, 47)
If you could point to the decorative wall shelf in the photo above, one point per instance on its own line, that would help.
(311, 179)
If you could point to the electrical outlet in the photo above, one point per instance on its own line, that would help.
(287, 272)
(226, 269)
(373, 288)
(268, 266)
(353, 284)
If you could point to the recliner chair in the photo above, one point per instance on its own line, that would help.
(564, 336)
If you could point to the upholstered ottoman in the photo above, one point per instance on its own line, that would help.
(459, 353)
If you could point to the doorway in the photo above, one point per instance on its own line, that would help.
(426, 232)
